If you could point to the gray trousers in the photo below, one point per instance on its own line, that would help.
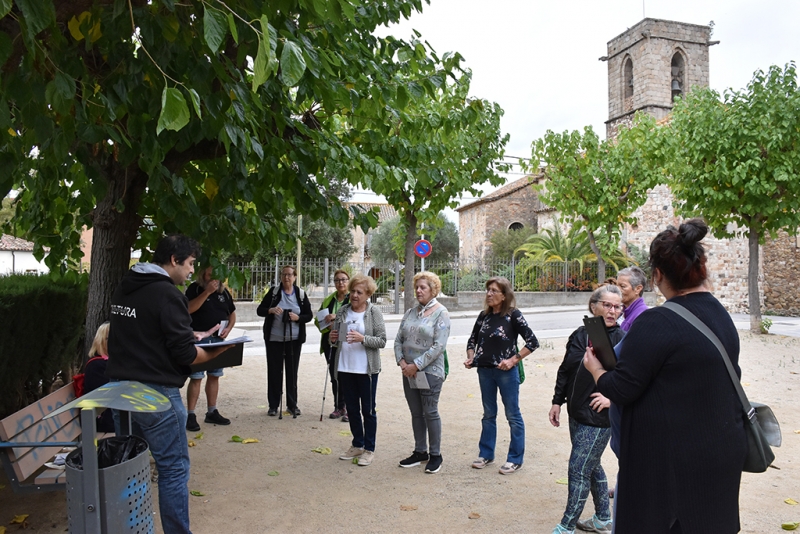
(425, 421)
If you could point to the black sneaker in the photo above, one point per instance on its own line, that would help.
(434, 464)
(217, 419)
(295, 412)
(272, 412)
(191, 423)
(415, 459)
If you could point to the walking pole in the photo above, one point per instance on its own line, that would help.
(324, 388)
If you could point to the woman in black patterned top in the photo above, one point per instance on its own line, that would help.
(492, 349)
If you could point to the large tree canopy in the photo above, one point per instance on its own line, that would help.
(430, 151)
(598, 184)
(206, 117)
(734, 160)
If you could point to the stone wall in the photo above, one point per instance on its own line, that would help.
(781, 264)
(476, 224)
(727, 258)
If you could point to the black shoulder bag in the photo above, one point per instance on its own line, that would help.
(759, 435)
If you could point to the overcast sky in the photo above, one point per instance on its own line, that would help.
(539, 59)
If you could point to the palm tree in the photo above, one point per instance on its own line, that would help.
(553, 245)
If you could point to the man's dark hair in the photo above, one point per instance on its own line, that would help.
(176, 245)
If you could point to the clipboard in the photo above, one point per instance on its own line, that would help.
(601, 343)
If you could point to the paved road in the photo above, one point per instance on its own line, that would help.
(547, 322)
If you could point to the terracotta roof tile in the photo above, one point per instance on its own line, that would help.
(9, 243)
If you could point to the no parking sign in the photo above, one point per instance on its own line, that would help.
(422, 248)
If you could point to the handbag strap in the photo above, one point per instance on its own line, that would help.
(692, 319)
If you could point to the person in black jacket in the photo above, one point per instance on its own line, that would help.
(151, 341)
(589, 426)
(287, 310)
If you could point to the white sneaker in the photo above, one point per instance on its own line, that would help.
(352, 452)
(594, 525)
(509, 468)
(366, 458)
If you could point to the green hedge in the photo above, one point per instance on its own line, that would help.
(43, 320)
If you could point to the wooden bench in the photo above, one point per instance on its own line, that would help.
(39, 440)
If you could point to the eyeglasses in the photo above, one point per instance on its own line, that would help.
(287, 274)
(493, 291)
(341, 280)
(609, 306)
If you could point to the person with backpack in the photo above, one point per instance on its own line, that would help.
(286, 309)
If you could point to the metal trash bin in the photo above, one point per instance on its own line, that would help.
(126, 503)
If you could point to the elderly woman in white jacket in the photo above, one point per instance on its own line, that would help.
(359, 334)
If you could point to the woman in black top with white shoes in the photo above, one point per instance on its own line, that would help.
(492, 350)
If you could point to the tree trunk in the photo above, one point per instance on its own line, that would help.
(601, 263)
(753, 300)
(409, 299)
(112, 241)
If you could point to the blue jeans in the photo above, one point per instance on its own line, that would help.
(165, 433)
(492, 379)
(585, 473)
(359, 397)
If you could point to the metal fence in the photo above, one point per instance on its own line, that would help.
(316, 276)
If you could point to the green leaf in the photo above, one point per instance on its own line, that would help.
(272, 473)
(215, 27)
(236, 439)
(232, 28)
(5, 7)
(292, 64)
(196, 493)
(38, 14)
(174, 111)
(195, 103)
(261, 64)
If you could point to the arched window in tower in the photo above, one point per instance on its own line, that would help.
(627, 86)
(677, 80)
(516, 226)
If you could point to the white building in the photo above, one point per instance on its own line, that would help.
(16, 256)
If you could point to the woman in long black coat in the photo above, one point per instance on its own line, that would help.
(682, 437)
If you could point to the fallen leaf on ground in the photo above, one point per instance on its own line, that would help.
(261, 406)
(790, 501)
(19, 519)
(191, 443)
(322, 450)
(408, 507)
(236, 439)
(469, 396)
(250, 440)
(745, 383)
(2, 530)
(355, 461)
(474, 515)
(790, 526)
(539, 365)
(345, 433)
(273, 473)
(197, 493)
(797, 431)
(287, 412)
(562, 481)
(199, 436)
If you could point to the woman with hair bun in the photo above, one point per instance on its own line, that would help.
(682, 440)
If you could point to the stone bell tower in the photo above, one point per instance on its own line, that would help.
(652, 63)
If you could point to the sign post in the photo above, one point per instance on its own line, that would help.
(423, 249)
